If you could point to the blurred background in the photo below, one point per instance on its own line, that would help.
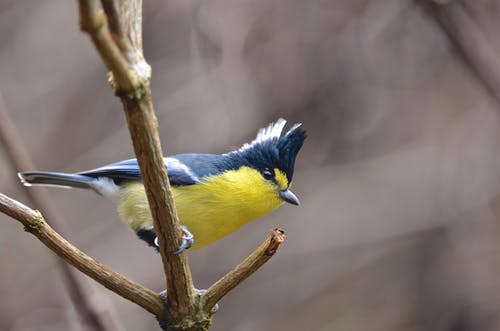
(399, 179)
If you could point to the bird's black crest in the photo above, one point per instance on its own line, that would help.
(272, 150)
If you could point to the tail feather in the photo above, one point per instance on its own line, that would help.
(56, 179)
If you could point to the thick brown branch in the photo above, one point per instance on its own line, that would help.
(34, 223)
(134, 89)
(243, 270)
(144, 132)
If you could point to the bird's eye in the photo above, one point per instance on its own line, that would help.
(267, 174)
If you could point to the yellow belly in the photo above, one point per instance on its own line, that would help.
(211, 209)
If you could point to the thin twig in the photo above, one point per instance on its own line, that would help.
(34, 223)
(79, 289)
(94, 22)
(113, 13)
(243, 270)
(131, 20)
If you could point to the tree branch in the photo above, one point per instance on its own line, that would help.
(143, 127)
(94, 22)
(111, 8)
(120, 47)
(34, 223)
(243, 270)
(131, 78)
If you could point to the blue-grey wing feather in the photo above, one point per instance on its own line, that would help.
(128, 170)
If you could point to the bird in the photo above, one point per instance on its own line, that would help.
(214, 194)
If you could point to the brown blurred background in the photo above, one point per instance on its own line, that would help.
(399, 179)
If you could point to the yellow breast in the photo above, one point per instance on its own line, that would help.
(215, 207)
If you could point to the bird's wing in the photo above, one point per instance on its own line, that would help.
(179, 174)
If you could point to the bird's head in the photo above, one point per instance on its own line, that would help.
(272, 156)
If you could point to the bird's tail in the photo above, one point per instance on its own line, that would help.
(59, 179)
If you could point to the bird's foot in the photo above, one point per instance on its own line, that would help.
(187, 240)
(163, 295)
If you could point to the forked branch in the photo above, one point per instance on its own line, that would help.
(115, 29)
(121, 50)
(34, 223)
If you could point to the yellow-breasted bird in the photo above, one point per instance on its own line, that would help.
(214, 194)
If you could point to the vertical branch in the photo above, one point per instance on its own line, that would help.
(131, 21)
(120, 47)
(143, 128)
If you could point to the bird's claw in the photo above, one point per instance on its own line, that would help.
(163, 295)
(187, 240)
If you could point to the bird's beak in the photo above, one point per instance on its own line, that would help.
(289, 197)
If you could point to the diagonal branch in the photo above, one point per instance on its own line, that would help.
(80, 292)
(243, 270)
(111, 8)
(94, 22)
(34, 223)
